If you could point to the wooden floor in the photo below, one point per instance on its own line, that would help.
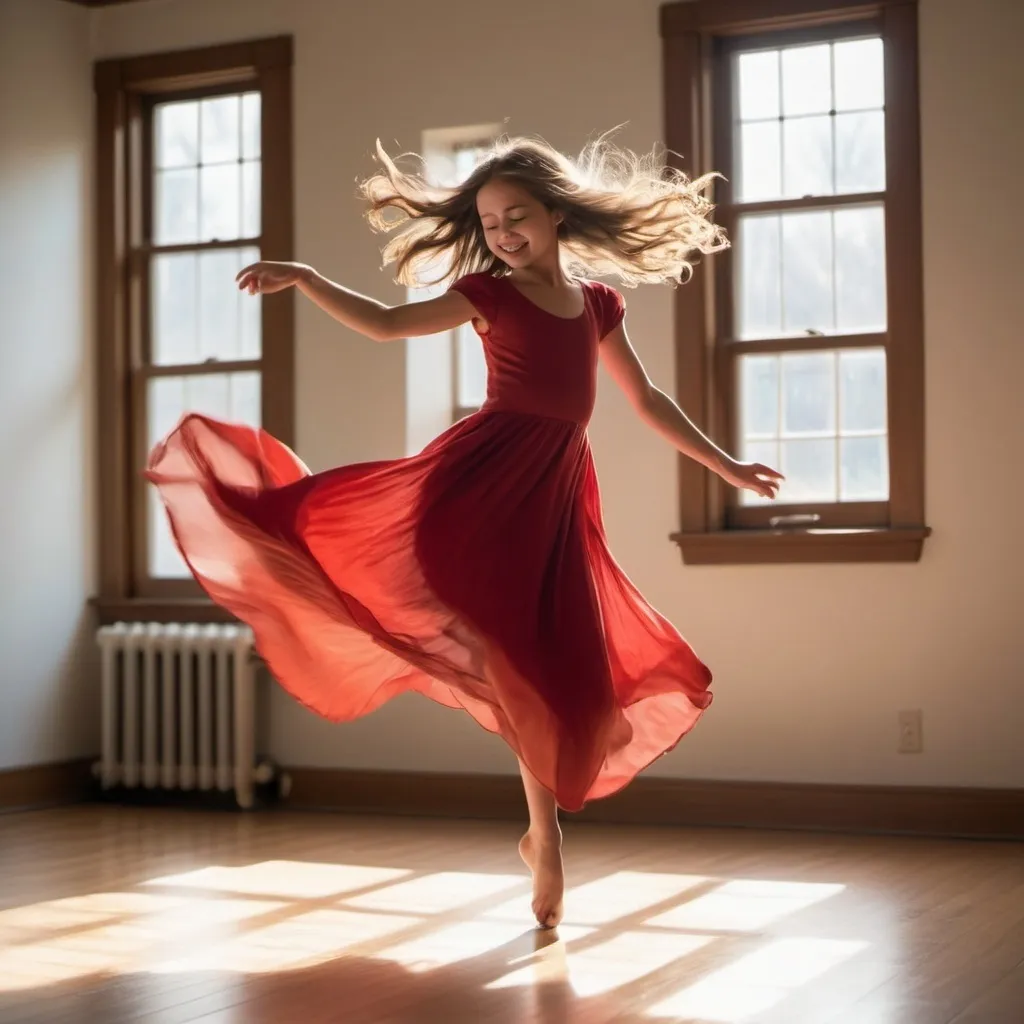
(172, 917)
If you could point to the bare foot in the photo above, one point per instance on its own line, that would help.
(544, 859)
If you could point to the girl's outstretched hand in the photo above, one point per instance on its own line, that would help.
(266, 277)
(752, 476)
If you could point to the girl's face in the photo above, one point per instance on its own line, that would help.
(518, 229)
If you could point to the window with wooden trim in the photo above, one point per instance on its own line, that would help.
(802, 345)
(194, 182)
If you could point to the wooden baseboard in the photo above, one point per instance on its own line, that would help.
(45, 785)
(897, 810)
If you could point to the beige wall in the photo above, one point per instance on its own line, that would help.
(812, 662)
(48, 700)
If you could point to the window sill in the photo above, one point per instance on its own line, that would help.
(158, 609)
(761, 547)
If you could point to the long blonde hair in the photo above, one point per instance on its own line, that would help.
(624, 215)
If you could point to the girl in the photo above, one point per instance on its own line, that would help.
(477, 572)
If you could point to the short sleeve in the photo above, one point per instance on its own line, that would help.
(612, 309)
(481, 291)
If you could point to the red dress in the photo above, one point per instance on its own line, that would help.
(476, 572)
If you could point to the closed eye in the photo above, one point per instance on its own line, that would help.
(493, 227)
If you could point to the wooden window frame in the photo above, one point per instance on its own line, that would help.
(696, 37)
(126, 89)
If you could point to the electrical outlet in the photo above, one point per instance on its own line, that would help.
(911, 732)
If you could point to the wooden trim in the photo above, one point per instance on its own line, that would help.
(160, 609)
(846, 515)
(277, 230)
(737, 17)
(44, 785)
(113, 379)
(146, 250)
(904, 269)
(764, 547)
(102, 3)
(732, 347)
(195, 68)
(951, 812)
(685, 95)
(151, 370)
(727, 210)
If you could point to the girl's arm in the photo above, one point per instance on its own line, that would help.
(659, 411)
(367, 316)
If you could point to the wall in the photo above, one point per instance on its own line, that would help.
(812, 662)
(47, 683)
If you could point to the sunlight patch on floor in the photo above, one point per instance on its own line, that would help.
(595, 969)
(283, 878)
(450, 945)
(757, 981)
(744, 905)
(282, 915)
(624, 893)
(431, 894)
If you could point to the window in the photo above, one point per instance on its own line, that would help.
(194, 182)
(450, 156)
(802, 346)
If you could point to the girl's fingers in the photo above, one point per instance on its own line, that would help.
(768, 472)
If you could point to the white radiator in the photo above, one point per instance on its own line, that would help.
(178, 708)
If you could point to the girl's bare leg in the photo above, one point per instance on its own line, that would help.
(541, 849)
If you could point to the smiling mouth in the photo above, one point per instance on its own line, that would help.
(512, 249)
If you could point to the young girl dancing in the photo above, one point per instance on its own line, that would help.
(477, 572)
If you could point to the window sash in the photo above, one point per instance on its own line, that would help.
(127, 90)
(728, 348)
(693, 34)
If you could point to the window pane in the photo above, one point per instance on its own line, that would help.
(862, 390)
(859, 74)
(810, 471)
(176, 206)
(860, 269)
(811, 437)
(198, 312)
(176, 135)
(760, 161)
(220, 129)
(808, 393)
(466, 158)
(251, 199)
(864, 472)
(758, 283)
(234, 397)
(251, 114)
(808, 148)
(759, 85)
(860, 152)
(807, 272)
(174, 288)
(219, 305)
(472, 368)
(226, 396)
(807, 80)
(221, 202)
(759, 397)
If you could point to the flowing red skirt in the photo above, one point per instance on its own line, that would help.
(476, 573)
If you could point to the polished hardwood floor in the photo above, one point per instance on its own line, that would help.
(156, 916)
